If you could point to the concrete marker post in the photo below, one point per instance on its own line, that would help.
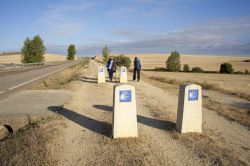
(124, 112)
(189, 115)
(123, 75)
(101, 75)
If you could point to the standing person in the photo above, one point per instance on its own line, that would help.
(137, 69)
(110, 67)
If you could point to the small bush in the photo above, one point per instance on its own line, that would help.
(186, 68)
(122, 60)
(173, 62)
(226, 68)
(246, 71)
(238, 72)
(197, 70)
(160, 69)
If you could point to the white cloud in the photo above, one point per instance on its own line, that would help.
(58, 19)
(210, 37)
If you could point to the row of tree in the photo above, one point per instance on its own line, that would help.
(34, 49)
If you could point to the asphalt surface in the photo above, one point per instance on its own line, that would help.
(14, 110)
(14, 81)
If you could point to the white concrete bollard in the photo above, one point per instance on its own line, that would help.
(101, 75)
(189, 115)
(123, 75)
(124, 112)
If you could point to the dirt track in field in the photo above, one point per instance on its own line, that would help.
(85, 138)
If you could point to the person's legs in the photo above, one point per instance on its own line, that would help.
(138, 75)
(134, 76)
(111, 74)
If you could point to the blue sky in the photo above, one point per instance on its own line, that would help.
(216, 27)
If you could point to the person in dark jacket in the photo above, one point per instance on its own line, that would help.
(137, 69)
(111, 67)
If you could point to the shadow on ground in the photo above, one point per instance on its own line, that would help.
(87, 79)
(242, 105)
(86, 122)
(94, 80)
(155, 123)
(104, 107)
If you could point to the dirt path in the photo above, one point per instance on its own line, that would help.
(86, 139)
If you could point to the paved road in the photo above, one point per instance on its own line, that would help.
(14, 81)
(14, 109)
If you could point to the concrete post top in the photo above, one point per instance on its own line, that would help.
(123, 69)
(100, 69)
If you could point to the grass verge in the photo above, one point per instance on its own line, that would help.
(204, 85)
(62, 78)
(242, 116)
(30, 145)
(231, 113)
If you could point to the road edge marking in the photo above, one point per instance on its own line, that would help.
(14, 87)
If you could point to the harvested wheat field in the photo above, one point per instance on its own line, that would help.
(16, 58)
(209, 63)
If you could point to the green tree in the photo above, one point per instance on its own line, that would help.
(71, 52)
(173, 62)
(122, 60)
(197, 70)
(33, 50)
(105, 54)
(186, 68)
(226, 68)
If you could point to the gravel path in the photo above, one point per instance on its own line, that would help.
(86, 139)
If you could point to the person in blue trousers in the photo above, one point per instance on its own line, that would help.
(137, 69)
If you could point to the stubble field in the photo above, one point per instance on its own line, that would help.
(208, 63)
(16, 58)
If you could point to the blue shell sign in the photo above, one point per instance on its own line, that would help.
(193, 94)
(125, 96)
(100, 69)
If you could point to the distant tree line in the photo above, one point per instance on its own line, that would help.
(10, 53)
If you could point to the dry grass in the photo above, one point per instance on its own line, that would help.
(203, 145)
(30, 145)
(229, 84)
(208, 63)
(207, 148)
(62, 78)
(231, 113)
(16, 58)
(239, 115)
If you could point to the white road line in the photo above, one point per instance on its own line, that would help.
(3, 92)
(14, 87)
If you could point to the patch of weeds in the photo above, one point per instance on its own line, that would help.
(62, 78)
(231, 113)
(28, 146)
